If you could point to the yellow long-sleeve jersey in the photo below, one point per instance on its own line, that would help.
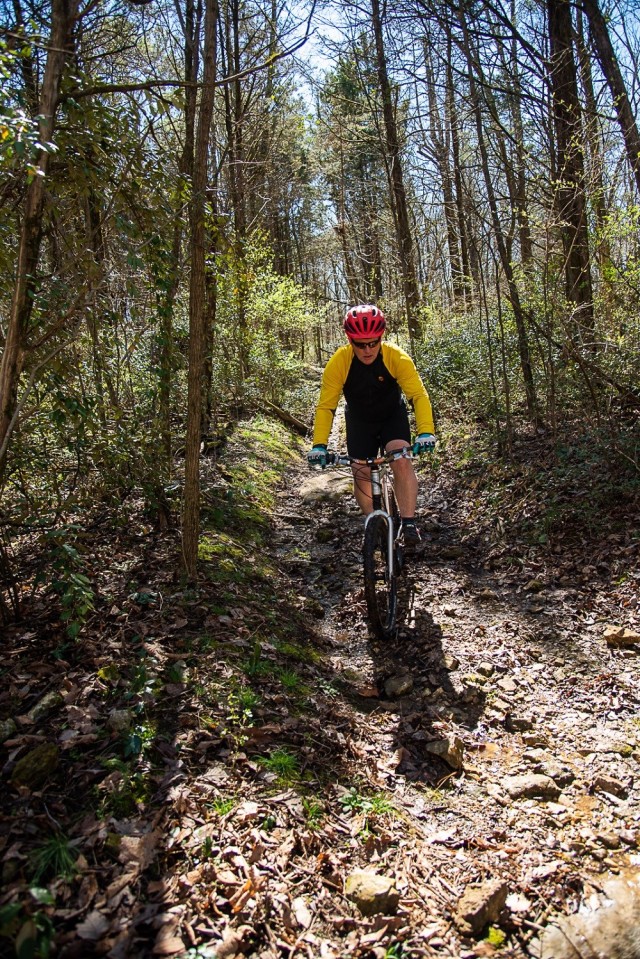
(400, 367)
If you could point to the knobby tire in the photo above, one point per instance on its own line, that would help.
(380, 590)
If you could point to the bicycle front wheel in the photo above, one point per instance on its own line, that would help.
(380, 587)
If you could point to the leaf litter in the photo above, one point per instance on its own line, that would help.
(228, 755)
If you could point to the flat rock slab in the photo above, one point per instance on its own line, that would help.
(326, 487)
(531, 786)
(620, 636)
(609, 925)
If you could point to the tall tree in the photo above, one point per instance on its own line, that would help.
(501, 241)
(440, 129)
(354, 170)
(596, 165)
(399, 202)
(197, 296)
(190, 19)
(63, 15)
(571, 201)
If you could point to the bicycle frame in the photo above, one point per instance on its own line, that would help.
(381, 549)
(381, 490)
(381, 497)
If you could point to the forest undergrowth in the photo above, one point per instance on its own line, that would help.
(206, 770)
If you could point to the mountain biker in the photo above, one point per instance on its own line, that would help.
(373, 376)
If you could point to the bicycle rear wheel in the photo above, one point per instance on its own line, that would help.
(380, 588)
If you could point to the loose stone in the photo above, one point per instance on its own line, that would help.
(531, 786)
(36, 766)
(371, 893)
(480, 905)
(398, 686)
(451, 750)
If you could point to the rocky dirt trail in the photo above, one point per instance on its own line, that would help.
(235, 769)
(502, 723)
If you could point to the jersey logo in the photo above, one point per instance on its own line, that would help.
(381, 379)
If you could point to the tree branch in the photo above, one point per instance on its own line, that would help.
(79, 93)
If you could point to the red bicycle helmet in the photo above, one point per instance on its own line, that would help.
(364, 322)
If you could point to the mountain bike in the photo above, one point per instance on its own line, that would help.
(383, 551)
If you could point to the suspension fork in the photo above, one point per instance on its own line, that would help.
(381, 509)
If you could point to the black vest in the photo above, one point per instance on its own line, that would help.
(371, 392)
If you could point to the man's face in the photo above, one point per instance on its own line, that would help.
(366, 350)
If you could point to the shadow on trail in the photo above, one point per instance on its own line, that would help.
(415, 678)
(403, 689)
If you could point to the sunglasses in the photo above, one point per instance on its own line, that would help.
(370, 345)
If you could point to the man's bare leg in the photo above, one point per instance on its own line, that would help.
(362, 487)
(404, 478)
(405, 481)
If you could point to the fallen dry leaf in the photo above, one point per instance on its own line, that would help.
(94, 927)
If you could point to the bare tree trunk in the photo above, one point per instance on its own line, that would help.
(570, 194)
(452, 117)
(353, 286)
(503, 252)
(63, 13)
(611, 69)
(398, 192)
(440, 137)
(596, 165)
(234, 119)
(211, 280)
(197, 299)
(515, 103)
(191, 24)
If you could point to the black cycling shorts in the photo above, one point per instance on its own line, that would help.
(365, 439)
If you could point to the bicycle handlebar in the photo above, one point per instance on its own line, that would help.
(342, 459)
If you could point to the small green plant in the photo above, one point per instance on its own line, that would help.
(314, 812)
(241, 701)
(327, 688)
(177, 673)
(207, 848)
(496, 937)
(143, 680)
(380, 805)
(124, 791)
(352, 801)
(30, 932)
(396, 951)
(207, 643)
(209, 722)
(54, 859)
(255, 665)
(289, 679)
(283, 763)
(69, 579)
(138, 740)
(248, 700)
(223, 805)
